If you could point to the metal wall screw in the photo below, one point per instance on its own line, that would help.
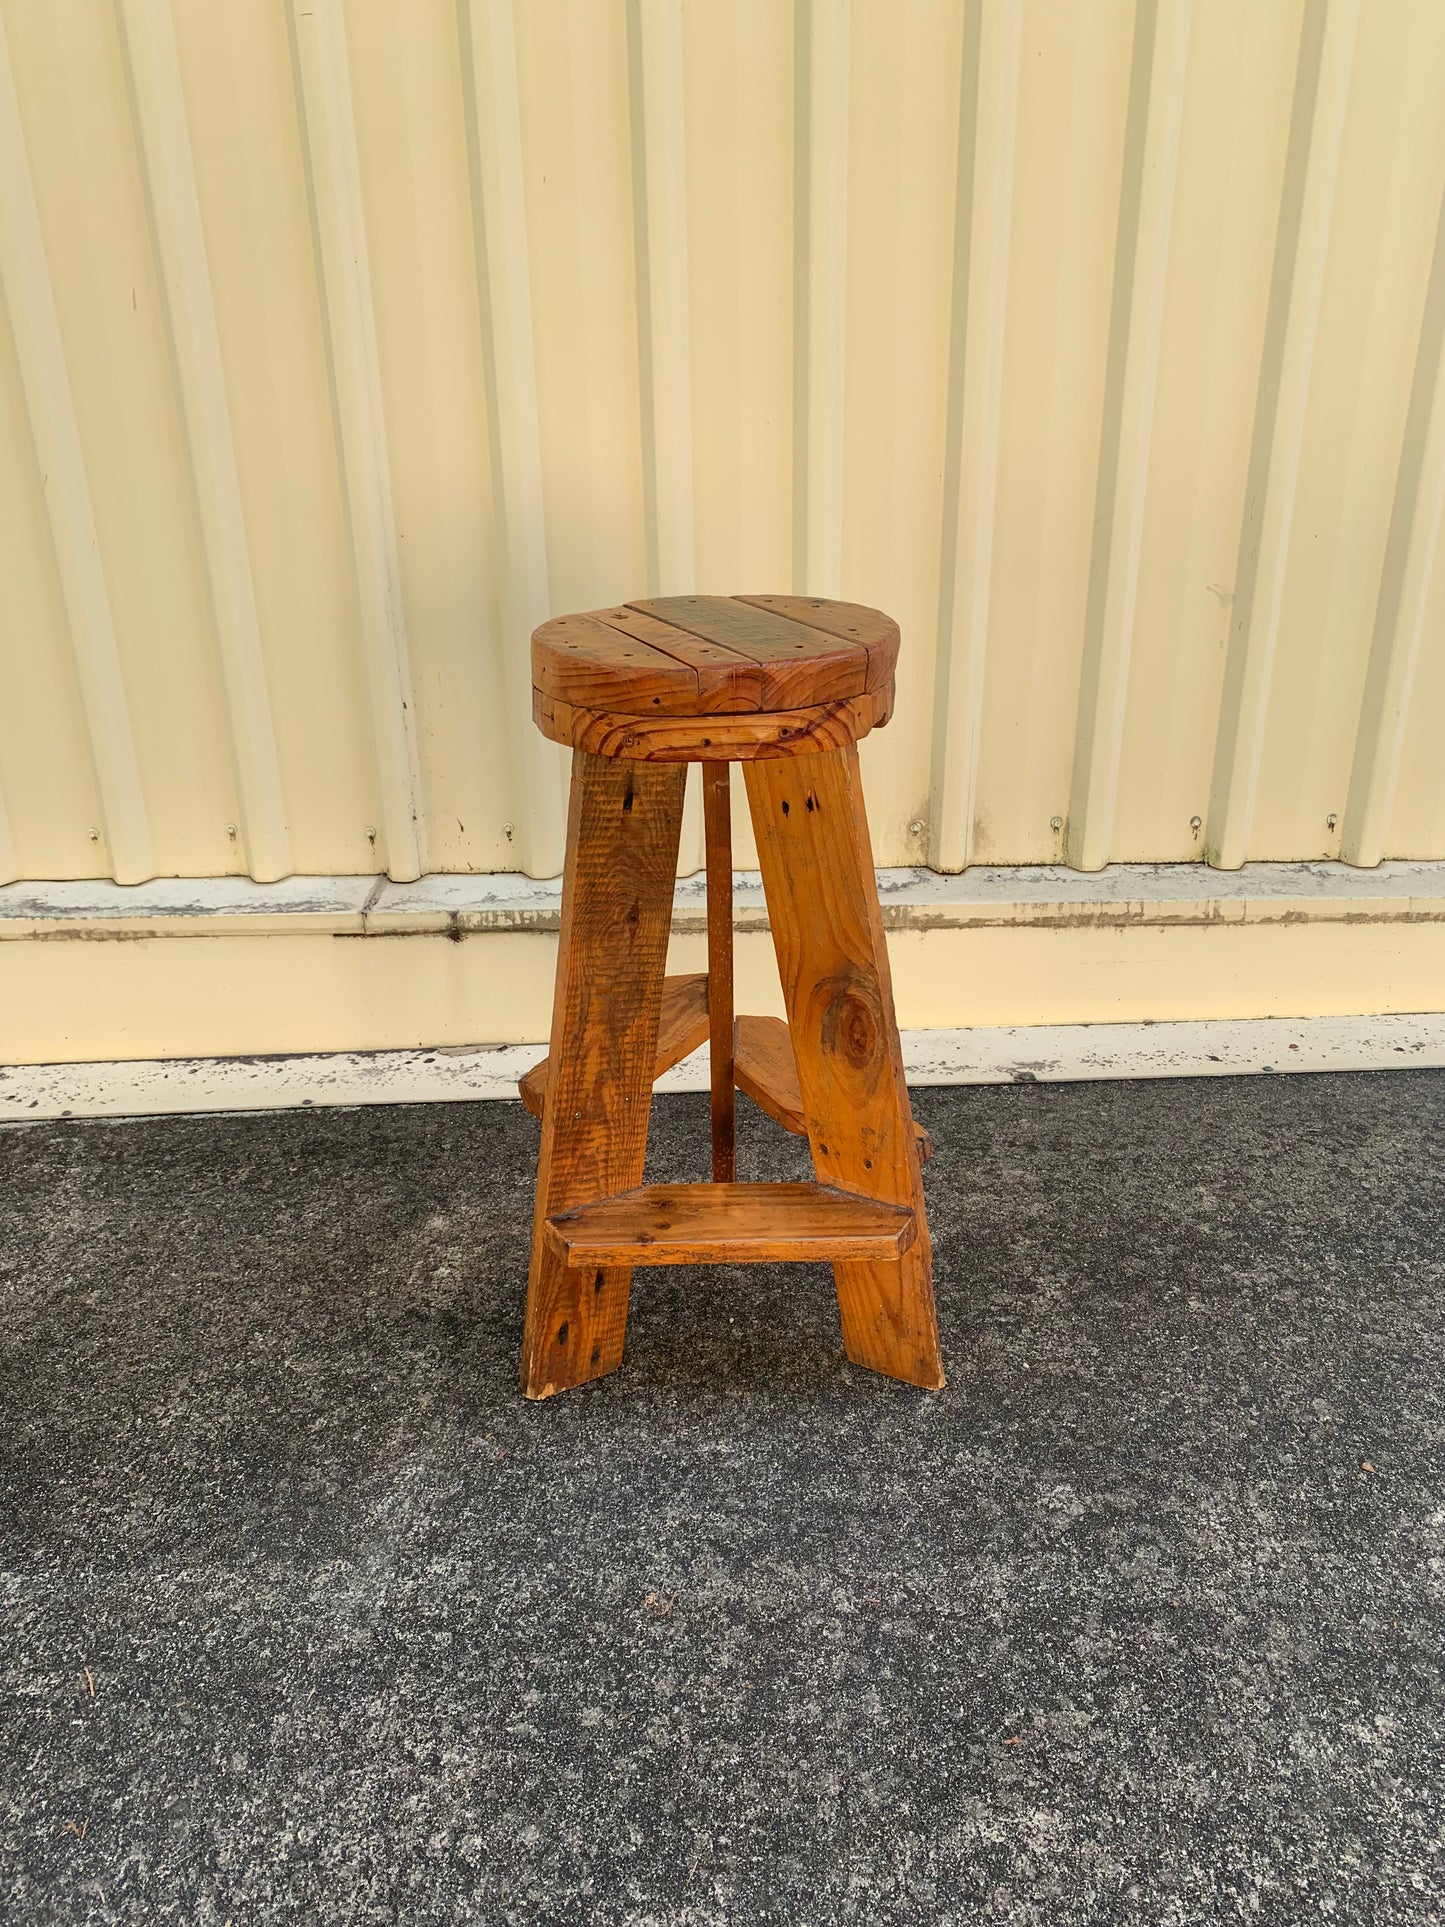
(917, 826)
(1196, 823)
(1331, 821)
(1056, 822)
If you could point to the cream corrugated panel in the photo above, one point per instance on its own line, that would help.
(343, 341)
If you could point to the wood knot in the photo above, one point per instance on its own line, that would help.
(852, 1028)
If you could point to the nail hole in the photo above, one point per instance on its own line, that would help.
(596, 1353)
(597, 1283)
(627, 804)
(562, 1335)
(785, 807)
(811, 804)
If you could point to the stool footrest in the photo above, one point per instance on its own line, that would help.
(682, 1027)
(765, 1068)
(679, 1224)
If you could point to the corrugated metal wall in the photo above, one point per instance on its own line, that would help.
(1098, 342)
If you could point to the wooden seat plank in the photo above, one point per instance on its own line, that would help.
(799, 665)
(725, 680)
(849, 621)
(677, 1224)
(681, 1027)
(586, 662)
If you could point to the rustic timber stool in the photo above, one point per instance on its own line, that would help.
(785, 685)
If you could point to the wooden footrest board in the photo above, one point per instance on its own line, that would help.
(681, 1224)
(764, 1067)
(681, 1028)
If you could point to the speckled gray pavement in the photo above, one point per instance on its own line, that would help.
(308, 1617)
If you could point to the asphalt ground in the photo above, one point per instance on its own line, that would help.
(307, 1616)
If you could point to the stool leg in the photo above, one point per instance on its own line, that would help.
(817, 867)
(622, 836)
(717, 825)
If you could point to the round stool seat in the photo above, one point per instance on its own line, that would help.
(714, 678)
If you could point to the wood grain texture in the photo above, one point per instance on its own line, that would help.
(725, 680)
(623, 827)
(817, 868)
(682, 1026)
(590, 664)
(849, 622)
(717, 822)
(800, 666)
(716, 655)
(765, 1068)
(704, 739)
(678, 1224)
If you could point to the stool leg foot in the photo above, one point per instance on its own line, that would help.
(622, 838)
(817, 867)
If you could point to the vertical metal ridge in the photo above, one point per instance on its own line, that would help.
(318, 40)
(9, 855)
(40, 351)
(499, 212)
(982, 232)
(147, 35)
(1407, 580)
(659, 132)
(1327, 51)
(663, 264)
(823, 270)
(802, 117)
(1141, 269)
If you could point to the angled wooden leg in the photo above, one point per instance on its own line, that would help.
(622, 838)
(817, 866)
(717, 824)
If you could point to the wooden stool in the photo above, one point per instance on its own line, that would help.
(785, 685)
